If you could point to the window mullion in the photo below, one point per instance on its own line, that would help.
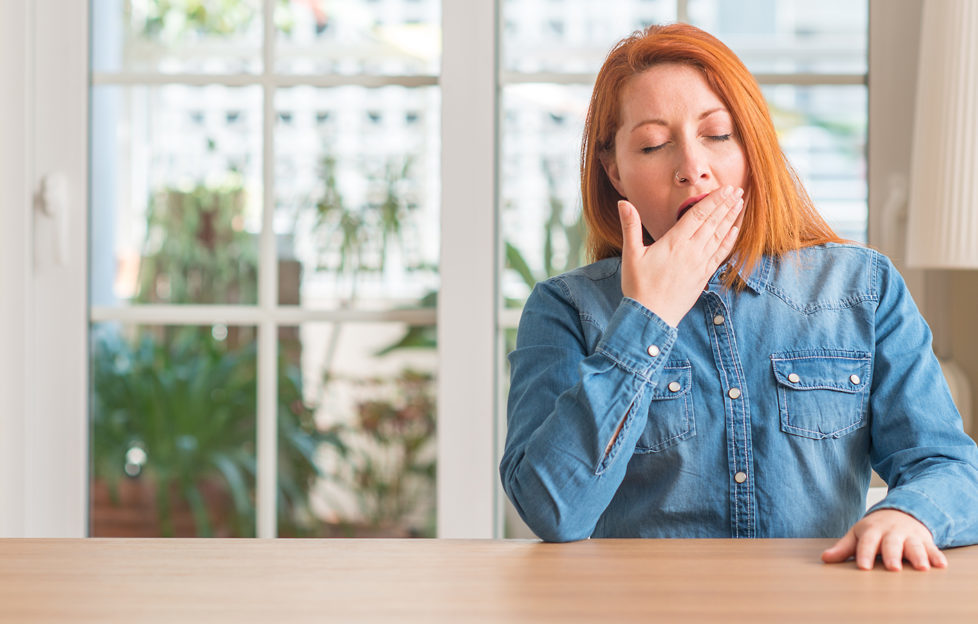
(467, 299)
(267, 443)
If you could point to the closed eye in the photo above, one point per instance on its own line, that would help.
(719, 137)
(654, 148)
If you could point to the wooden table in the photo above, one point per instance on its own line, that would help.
(595, 581)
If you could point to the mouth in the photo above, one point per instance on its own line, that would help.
(689, 203)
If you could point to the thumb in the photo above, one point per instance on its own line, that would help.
(842, 550)
(631, 229)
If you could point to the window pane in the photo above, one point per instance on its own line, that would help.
(572, 36)
(822, 130)
(789, 36)
(357, 430)
(176, 194)
(387, 37)
(173, 431)
(172, 36)
(540, 183)
(357, 195)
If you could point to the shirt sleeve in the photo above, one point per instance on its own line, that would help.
(562, 462)
(918, 444)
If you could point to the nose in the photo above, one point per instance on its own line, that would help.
(692, 166)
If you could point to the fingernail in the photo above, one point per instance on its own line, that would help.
(735, 230)
(727, 190)
(739, 192)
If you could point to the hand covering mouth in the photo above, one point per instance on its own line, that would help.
(689, 203)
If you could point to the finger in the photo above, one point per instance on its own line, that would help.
(727, 223)
(740, 214)
(723, 251)
(721, 219)
(631, 230)
(937, 558)
(866, 548)
(916, 554)
(891, 548)
(841, 550)
(696, 216)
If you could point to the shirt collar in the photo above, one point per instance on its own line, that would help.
(756, 281)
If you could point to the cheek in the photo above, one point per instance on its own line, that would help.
(734, 166)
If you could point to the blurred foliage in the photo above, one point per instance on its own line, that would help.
(183, 398)
(196, 248)
(390, 464)
(356, 239)
(186, 401)
(172, 20)
(563, 245)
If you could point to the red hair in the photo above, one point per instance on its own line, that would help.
(779, 216)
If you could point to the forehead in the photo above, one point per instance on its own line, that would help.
(668, 89)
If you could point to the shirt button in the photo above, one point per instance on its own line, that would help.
(718, 319)
(854, 379)
(674, 386)
(654, 351)
(740, 477)
(734, 393)
(794, 378)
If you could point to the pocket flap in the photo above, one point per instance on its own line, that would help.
(823, 369)
(675, 381)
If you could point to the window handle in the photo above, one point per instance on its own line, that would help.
(51, 203)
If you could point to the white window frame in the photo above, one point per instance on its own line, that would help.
(44, 317)
(43, 357)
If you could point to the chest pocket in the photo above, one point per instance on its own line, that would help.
(822, 393)
(671, 412)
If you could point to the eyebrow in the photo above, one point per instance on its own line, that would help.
(662, 122)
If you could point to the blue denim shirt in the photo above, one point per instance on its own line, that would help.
(761, 416)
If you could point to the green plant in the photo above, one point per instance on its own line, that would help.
(176, 408)
(556, 234)
(355, 238)
(390, 467)
(196, 248)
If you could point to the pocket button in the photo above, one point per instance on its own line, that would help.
(794, 378)
(854, 379)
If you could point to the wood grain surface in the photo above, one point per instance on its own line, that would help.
(224, 580)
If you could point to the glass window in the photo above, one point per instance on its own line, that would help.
(255, 180)
(386, 37)
(177, 36)
(357, 196)
(173, 430)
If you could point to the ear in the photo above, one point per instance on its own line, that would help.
(610, 165)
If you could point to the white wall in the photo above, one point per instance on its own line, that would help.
(947, 299)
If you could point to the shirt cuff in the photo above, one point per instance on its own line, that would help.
(637, 340)
(922, 507)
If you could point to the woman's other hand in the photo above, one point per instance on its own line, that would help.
(893, 534)
(668, 276)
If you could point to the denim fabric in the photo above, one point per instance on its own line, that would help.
(761, 416)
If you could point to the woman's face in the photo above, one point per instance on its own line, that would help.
(676, 143)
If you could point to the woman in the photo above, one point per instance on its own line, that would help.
(727, 367)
